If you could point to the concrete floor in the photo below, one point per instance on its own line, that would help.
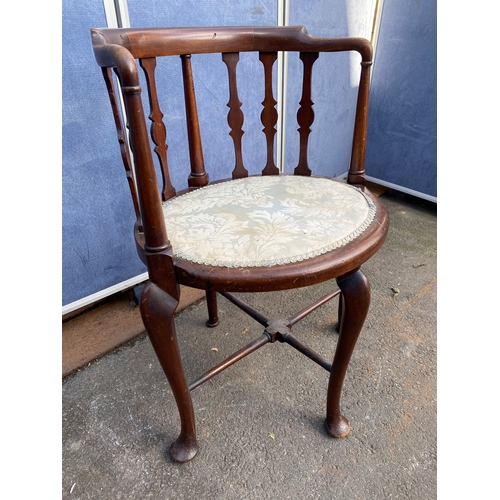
(261, 422)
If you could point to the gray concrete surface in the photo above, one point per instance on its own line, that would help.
(261, 422)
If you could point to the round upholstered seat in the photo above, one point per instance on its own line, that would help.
(266, 221)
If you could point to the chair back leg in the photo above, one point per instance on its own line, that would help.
(213, 315)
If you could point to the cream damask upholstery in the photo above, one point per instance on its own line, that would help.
(266, 221)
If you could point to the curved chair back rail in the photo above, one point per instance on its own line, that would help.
(157, 42)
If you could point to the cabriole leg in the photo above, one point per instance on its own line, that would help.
(157, 311)
(355, 301)
(336, 326)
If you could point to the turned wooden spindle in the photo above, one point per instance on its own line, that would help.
(198, 176)
(305, 114)
(158, 130)
(235, 116)
(269, 115)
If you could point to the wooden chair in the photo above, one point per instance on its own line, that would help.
(249, 233)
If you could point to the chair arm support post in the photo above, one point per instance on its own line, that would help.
(120, 57)
(356, 173)
(155, 231)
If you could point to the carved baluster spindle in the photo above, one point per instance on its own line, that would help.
(158, 130)
(198, 176)
(305, 114)
(269, 115)
(235, 116)
(122, 137)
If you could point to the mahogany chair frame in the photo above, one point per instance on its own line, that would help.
(118, 50)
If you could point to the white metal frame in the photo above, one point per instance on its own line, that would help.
(402, 189)
(102, 294)
(116, 13)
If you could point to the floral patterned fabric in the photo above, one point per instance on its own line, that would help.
(265, 221)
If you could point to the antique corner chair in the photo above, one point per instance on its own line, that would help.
(252, 233)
